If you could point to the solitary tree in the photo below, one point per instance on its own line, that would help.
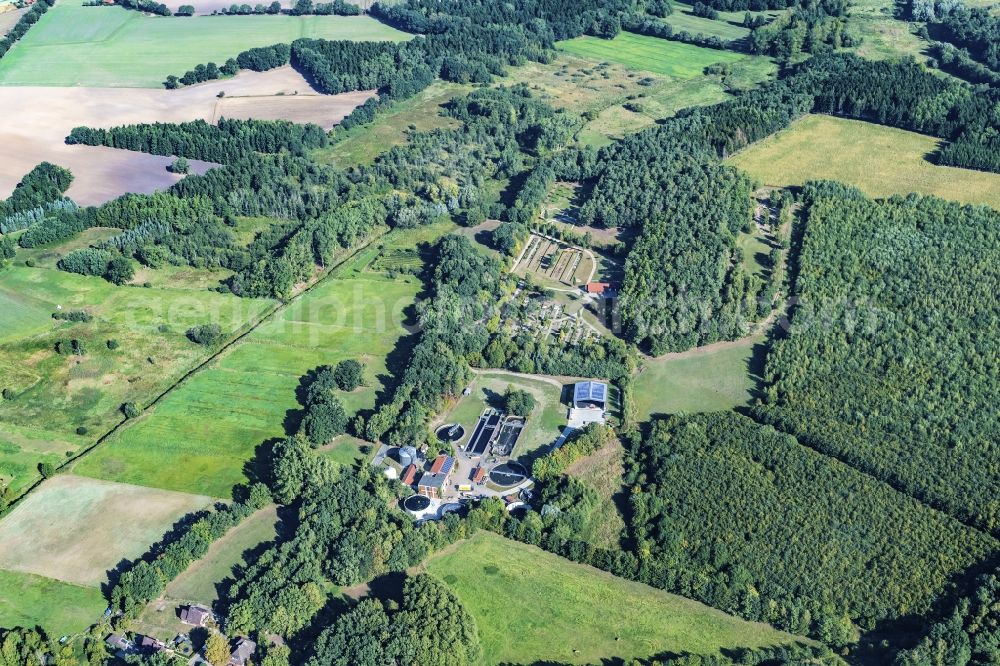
(180, 165)
(119, 270)
(217, 650)
(519, 403)
(185, 10)
(348, 375)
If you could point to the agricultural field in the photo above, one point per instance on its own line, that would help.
(649, 54)
(531, 607)
(707, 379)
(76, 529)
(883, 36)
(199, 437)
(73, 45)
(10, 18)
(101, 174)
(316, 109)
(881, 161)
(59, 608)
(56, 394)
(543, 426)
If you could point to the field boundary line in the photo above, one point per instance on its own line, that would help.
(250, 327)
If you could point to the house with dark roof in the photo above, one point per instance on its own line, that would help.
(242, 651)
(119, 645)
(196, 615)
(149, 645)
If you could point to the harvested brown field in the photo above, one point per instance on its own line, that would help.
(323, 110)
(9, 18)
(37, 121)
(75, 529)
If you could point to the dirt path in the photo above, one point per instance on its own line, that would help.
(548, 379)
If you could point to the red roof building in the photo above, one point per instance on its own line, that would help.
(478, 475)
(442, 465)
(596, 287)
(409, 474)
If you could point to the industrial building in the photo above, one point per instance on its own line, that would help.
(590, 404)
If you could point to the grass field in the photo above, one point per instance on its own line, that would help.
(198, 582)
(73, 45)
(683, 20)
(697, 381)
(531, 607)
(544, 424)
(362, 145)
(649, 54)
(75, 529)
(879, 160)
(54, 394)
(199, 437)
(60, 608)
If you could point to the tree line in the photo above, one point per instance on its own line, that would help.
(24, 24)
(224, 142)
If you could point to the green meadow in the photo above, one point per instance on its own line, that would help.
(649, 54)
(197, 584)
(683, 20)
(534, 607)
(199, 437)
(879, 160)
(73, 45)
(59, 608)
(702, 380)
(56, 395)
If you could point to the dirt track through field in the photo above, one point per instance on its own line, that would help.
(37, 120)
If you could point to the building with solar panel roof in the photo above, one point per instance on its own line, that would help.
(590, 404)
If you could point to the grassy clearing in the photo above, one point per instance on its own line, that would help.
(75, 529)
(883, 36)
(59, 608)
(198, 583)
(703, 380)
(649, 54)
(532, 606)
(73, 45)
(881, 161)
(348, 451)
(544, 424)
(683, 19)
(362, 145)
(201, 435)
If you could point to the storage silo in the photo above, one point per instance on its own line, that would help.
(407, 455)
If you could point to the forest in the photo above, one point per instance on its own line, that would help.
(891, 357)
(747, 519)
